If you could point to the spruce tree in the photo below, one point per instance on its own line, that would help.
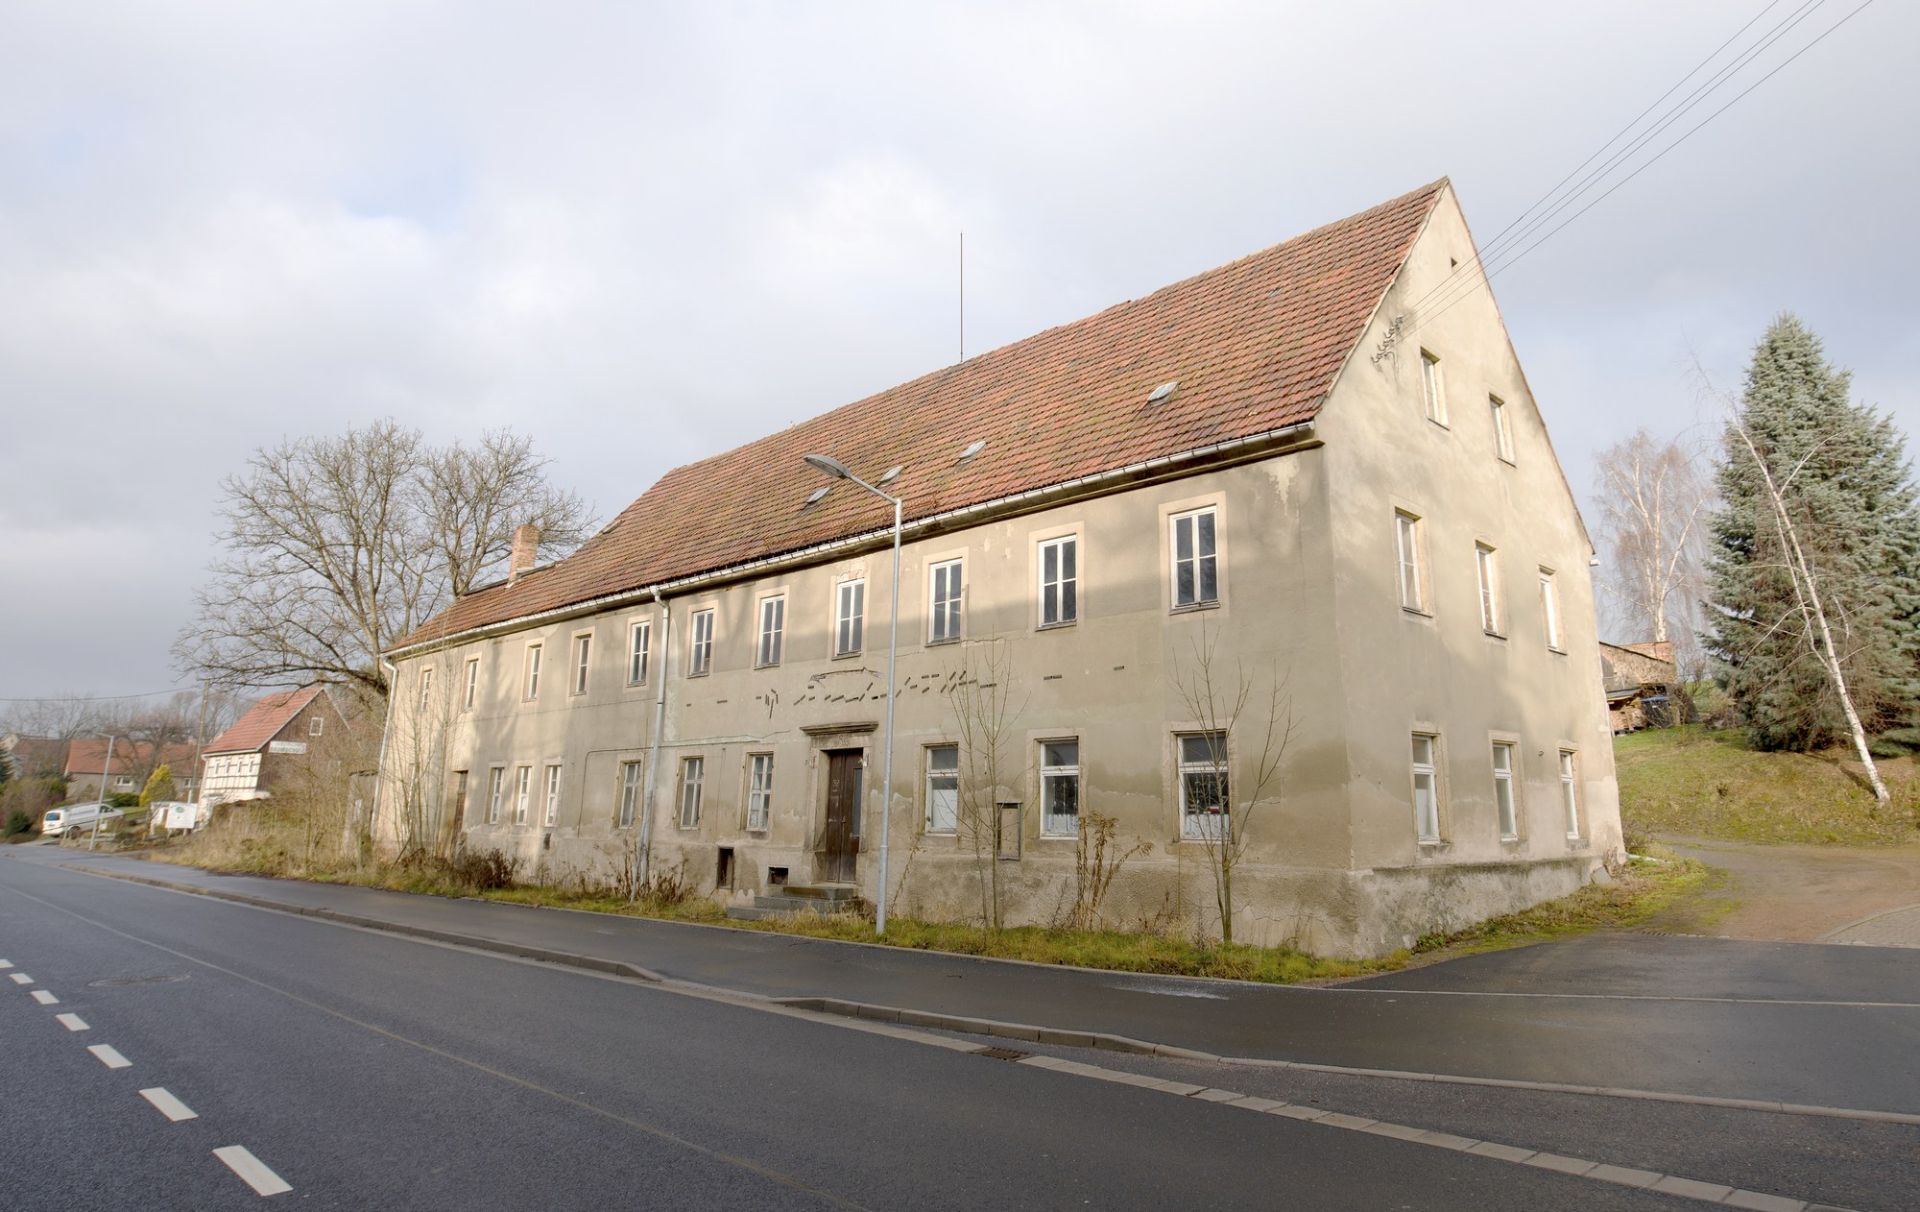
(1842, 468)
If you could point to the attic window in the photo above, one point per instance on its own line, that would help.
(1164, 392)
(973, 448)
(818, 494)
(892, 474)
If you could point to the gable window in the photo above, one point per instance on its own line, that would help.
(1196, 572)
(582, 661)
(1487, 562)
(1060, 788)
(316, 725)
(522, 788)
(1502, 428)
(496, 791)
(759, 791)
(1413, 585)
(773, 627)
(692, 774)
(471, 689)
(1426, 787)
(531, 690)
(1203, 784)
(943, 621)
(700, 648)
(1503, 790)
(1569, 795)
(426, 686)
(1550, 609)
(849, 617)
(1432, 390)
(553, 794)
(639, 648)
(943, 788)
(1059, 581)
(629, 793)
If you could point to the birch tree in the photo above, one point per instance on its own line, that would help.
(1653, 501)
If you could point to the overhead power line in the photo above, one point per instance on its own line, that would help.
(94, 698)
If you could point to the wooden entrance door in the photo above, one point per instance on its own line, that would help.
(840, 839)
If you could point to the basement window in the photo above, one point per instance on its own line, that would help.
(723, 869)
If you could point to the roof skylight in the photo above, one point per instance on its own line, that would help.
(817, 496)
(973, 449)
(892, 474)
(1164, 392)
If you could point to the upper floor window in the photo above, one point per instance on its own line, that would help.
(1426, 787)
(639, 649)
(582, 661)
(693, 772)
(943, 788)
(944, 618)
(1569, 794)
(849, 617)
(1502, 428)
(700, 645)
(1413, 585)
(1196, 571)
(1432, 390)
(1487, 562)
(471, 689)
(1059, 581)
(773, 627)
(759, 790)
(426, 686)
(1503, 790)
(553, 794)
(531, 689)
(1550, 608)
(1060, 788)
(1204, 806)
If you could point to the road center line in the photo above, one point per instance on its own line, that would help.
(110, 1056)
(252, 1170)
(168, 1105)
(71, 1022)
(45, 998)
(5, 964)
(21, 978)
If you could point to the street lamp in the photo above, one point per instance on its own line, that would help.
(838, 470)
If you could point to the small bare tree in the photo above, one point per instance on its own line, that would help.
(1097, 860)
(1653, 502)
(1217, 810)
(984, 711)
(415, 761)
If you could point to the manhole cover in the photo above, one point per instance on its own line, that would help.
(115, 982)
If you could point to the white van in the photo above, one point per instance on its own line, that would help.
(75, 819)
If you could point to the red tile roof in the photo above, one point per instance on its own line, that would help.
(263, 721)
(1254, 344)
(86, 755)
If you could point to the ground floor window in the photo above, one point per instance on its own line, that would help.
(1569, 795)
(1503, 790)
(522, 788)
(553, 794)
(629, 793)
(759, 790)
(692, 774)
(943, 788)
(1204, 807)
(1426, 787)
(1060, 788)
(496, 791)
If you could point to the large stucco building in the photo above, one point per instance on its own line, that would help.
(1322, 462)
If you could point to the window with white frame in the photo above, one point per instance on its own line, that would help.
(629, 793)
(1503, 791)
(582, 661)
(1432, 391)
(522, 790)
(530, 689)
(1059, 580)
(639, 649)
(1413, 585)
(943, 788)
(773, 627)
(1196, 571)
(553, 794)
(317, 725)
(426, 686)
(693, 772)
(1204, 807)
(759, 790)
(1569, 793)
(1426, 786)
(1487, 563)
(1550, 608)
(700, 643)
(944, 597)
(1502, 428)
(1060, 788)
(471, 689)
(849, 617)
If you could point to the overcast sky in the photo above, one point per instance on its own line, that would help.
(642, 234)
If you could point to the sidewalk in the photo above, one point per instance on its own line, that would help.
(1706, 1017)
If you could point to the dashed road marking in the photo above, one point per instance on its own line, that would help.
(168, 1105)
(252, 1171)
(109, 1056)
(21, 978)
(71, 1022)
(5, 964)
(45, 998)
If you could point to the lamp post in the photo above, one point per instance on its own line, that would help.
(838, 470)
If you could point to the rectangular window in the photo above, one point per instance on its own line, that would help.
(700, 648)
(522, 789)
(496, 791)
(1502, 429)
(426, 686)
(553, 795)
(639, 648)
(1488, 564)
(1550, 608)
(1426, 787)
(1060, 788)
(531, 690)
(629, 793)
(1196, 573)
(1569, 795)
(943, 622)
(1503, 790)
(1432, 391)
(692, 773)
(582, 661)
(773, 626)
(1059, 581)
(1413, 589)
(759, 790)
(849, 617)
(316, 725)
(471, 690)
(1203, 784)
(943, 788)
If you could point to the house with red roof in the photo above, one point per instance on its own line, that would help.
(92, 772)
(279, 731)
(1280, 554)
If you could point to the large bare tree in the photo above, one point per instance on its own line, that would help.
(1653, 505)
(337, 546)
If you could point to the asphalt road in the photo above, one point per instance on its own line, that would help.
(368, 1071)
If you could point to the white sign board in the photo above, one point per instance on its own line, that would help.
(286, 747)
(183, 815)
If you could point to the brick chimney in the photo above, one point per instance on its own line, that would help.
(526, 543)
